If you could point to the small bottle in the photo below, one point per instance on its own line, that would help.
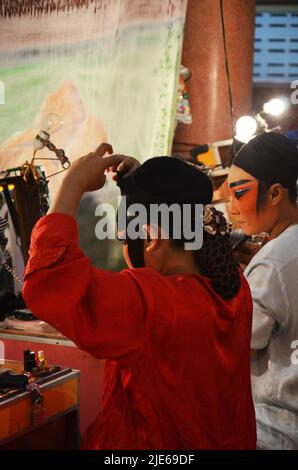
(41, 360)
(27, 360)
(33, 361)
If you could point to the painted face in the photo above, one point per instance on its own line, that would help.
(243, 188)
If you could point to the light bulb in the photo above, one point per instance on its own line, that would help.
(246, 127)
(52, 123)
(276, 106)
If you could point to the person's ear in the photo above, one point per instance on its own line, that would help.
(151, 238)
(276, 193)
(126, 256)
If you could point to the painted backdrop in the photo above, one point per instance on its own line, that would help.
(109, 68)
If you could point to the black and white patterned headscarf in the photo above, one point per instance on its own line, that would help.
(3, 225)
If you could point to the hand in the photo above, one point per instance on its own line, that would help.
(127, 166)
(245, 254)
(88, 172)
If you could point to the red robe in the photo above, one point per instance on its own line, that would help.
(178, 355)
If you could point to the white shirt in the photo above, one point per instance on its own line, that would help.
(273, 278)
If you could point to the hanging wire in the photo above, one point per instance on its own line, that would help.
(228, 74)
(60, 156)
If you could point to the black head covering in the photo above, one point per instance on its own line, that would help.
(166, 180)
(170, 180)
(271, 157)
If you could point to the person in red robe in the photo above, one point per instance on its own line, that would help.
(174, 328)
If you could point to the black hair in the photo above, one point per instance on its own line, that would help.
(263, 187)
(168, 180)
(215, 260)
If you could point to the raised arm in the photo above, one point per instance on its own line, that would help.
(103, 312)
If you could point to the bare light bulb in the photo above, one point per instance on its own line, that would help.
(52, 123)
(276, 106)
(246, 127)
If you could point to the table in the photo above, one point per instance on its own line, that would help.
(60, 428)
(62, 351)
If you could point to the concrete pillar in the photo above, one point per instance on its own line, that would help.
(203, 54)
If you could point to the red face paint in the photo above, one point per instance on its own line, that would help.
(244, 195)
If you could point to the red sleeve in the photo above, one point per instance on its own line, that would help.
(103, 312)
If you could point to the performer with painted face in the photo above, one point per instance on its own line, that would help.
(262, 182)
(175, 327)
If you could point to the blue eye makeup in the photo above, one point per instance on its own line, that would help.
(240, 192)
